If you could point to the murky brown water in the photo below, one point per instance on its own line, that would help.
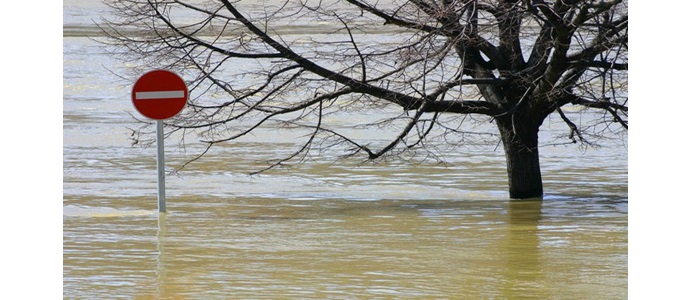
(250, 248)
(326, 229)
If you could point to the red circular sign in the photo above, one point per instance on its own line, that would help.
(159, 94)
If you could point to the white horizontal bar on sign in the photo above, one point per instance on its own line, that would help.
(159, 95)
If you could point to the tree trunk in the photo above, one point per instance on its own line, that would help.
(522, 158)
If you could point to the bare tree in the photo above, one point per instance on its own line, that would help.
(511, 62)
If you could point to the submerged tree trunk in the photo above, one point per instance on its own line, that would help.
(522, 157)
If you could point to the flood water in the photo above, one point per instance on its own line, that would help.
(326, 229)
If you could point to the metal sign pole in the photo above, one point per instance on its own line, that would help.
(160, 167)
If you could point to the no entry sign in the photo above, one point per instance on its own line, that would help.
(159, 94)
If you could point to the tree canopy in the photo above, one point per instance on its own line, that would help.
(420, 64)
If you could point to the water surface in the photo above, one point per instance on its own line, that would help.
(326, 229)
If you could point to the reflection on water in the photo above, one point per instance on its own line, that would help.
(324, 229)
